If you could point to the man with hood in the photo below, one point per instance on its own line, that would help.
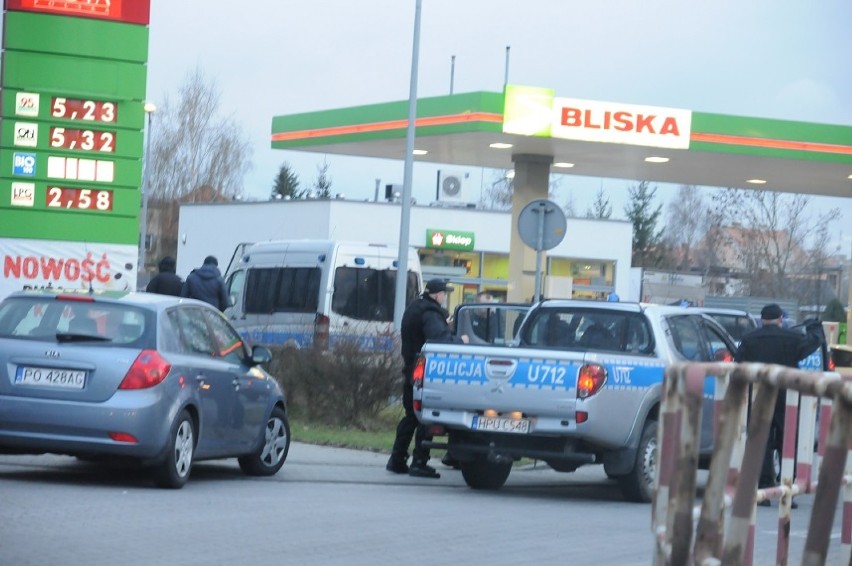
(424, 320)
(166, 282)
(205, 283)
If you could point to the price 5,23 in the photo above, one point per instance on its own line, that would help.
(86, 140)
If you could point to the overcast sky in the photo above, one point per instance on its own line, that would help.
(785, 59)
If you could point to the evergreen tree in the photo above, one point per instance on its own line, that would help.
(322, 186)
(601, 208)
(644, 216)
(286, 184)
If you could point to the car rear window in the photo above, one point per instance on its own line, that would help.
(589, 329)
(52, 318)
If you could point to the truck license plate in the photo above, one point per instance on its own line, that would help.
(501, 424)
(51, 377)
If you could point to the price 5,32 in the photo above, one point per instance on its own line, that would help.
(86, 140)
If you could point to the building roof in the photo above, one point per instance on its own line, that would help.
(458, 129)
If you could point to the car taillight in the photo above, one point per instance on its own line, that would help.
(321, 326)
(590, 380)
(148, 370)
(419, 371)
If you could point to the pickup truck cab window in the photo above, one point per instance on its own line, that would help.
(589, 329)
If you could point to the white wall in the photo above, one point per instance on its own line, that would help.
(218, 228)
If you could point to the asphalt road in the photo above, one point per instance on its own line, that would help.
(329, 506)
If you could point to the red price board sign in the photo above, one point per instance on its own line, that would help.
(88, 110)
(79, 199)
(129, 11)
(86, 140)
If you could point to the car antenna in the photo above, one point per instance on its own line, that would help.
(86, 249)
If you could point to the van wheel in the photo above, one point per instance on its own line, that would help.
(638, 485)
(173, 472)
(479, 473)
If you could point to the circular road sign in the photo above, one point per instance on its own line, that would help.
(545, 218)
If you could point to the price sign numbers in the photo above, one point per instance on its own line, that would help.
(79, 199)
(89, 110)
(86, 140)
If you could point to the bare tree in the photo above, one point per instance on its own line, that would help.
(499, 195)
(685, 219)
(193, 147)
(775, 230)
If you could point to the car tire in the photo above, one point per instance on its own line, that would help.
(479, 473)
(173, 472)
(638, 485)
(269, 458)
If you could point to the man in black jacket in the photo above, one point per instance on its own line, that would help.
(206, 284)
(773, 344)
(424, 320)
(166, 282)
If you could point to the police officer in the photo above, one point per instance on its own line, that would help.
(773, 344)
(424, 320)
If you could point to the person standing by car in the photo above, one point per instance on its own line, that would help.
(423, 320)
(205, 283)
(773, 344)
(166, 282)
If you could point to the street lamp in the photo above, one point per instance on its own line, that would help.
(149, 108)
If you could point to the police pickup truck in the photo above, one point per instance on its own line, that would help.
(580, 383)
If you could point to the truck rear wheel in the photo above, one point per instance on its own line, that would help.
(479, 473)
(638, 485)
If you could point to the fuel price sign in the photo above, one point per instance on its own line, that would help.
(86, 140)
(78, 109)
(79, 199)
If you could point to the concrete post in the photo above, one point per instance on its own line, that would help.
(531, 182)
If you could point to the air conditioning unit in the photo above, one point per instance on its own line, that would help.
(452, 186)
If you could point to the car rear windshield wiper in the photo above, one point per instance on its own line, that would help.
(71, 337)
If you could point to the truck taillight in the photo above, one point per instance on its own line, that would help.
(419, 370)
(590, 380)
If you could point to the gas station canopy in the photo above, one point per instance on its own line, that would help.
(588, 138)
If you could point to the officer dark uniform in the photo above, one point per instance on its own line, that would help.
(772, 344)
(424, 320)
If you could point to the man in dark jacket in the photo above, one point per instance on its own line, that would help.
(773, 344)
(424, 320)
(166, 282)
(206, 284)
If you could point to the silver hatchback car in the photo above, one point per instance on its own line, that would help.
(162, 380)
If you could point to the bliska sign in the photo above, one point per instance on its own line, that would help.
(24, 164)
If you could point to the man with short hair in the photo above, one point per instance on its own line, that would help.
(205, 283)
(773, 344)
(424, 320)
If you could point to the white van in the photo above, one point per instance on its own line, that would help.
(304, 292)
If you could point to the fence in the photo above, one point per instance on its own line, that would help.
(738, 457)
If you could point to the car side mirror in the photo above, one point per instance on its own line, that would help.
(260, 355)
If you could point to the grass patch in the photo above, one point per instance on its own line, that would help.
(343, 437)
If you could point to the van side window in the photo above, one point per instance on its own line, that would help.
(368, 294)
(362, 293)
(287, 289)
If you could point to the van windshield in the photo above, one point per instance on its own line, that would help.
(368, 294)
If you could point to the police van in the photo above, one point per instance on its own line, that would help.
(317, 292)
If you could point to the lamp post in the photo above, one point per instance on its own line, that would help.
(149, 108)
(405, 216)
